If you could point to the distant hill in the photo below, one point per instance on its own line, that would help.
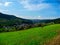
(6, 16)
(6, 19)
(12, 23)
(57, 20)
(46, 20)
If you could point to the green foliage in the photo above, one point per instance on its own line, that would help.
(57, 21)
(33, 36)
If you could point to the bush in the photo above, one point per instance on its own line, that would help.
(51, 23)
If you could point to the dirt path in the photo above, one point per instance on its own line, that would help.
(54, 41)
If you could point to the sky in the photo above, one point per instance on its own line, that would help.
(31, 9)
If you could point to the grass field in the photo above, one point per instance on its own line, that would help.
(33, 36)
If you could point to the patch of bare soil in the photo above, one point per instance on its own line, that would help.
(54, 41)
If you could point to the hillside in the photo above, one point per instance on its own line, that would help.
(6, 16)
(6, 19)
(12, 20)
(55, 41)
(33, 36)
(9, 23)
(57, 20)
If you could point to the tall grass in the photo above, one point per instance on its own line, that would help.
(33, 36)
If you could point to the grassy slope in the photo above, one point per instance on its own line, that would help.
(33, 36)
(54, 41)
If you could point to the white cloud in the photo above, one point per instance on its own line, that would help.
(6, 4)
(29, 6)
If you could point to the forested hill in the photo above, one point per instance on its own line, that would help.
(6, 16)
(57, 20)
(12, 23)
(6, 19)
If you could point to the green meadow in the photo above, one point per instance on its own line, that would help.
(32, 36)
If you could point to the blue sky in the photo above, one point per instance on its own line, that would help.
(31, 9)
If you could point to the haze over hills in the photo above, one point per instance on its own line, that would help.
(5, 18)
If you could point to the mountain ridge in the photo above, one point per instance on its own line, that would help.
(7, 17)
